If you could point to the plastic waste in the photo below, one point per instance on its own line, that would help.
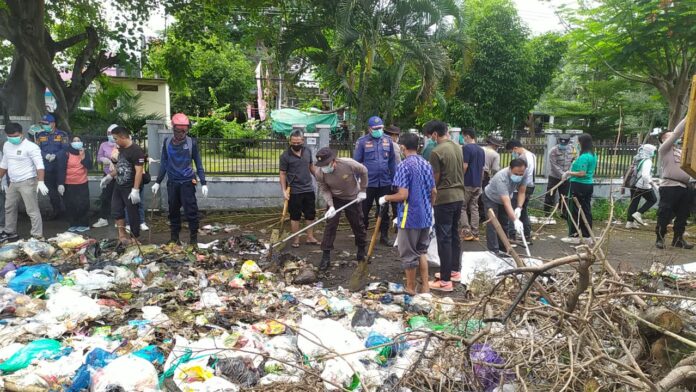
(33, 277)
(305, 276)
(66, 303)
(250, 269)
(240, 371)
(386, 352)
(7, 268)
(68, 241)
(472, 326)
(210, 298)
(127, 373)
(363, 317)
(10, 252)
(339, 306)
(42, 348)
(485, 265)
(38, 251)
(151, 354)
(96, 359)
(270, 327)
(488, 376)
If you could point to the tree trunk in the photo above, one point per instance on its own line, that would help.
(23, 92)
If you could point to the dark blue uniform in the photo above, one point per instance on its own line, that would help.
(379, 157)
(57, 143)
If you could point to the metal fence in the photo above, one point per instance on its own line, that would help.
(261, 157)
(92, 144)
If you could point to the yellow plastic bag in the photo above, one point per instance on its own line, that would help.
(249, 269)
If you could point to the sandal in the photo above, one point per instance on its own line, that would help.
(295, 245)
(312, 242)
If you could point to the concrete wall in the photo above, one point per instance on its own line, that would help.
(150, 101)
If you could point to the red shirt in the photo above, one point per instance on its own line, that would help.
(76, 173)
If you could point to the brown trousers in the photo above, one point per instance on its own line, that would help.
(354, 215)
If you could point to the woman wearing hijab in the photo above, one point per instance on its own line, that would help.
(73, 185)
(643, 188)
(106, 150)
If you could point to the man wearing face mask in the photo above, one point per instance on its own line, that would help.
(104, 154)
(560, 158)
(674, 193)
(296, 170)
(53, 143)
(341, 180)
(178, 154)
(519, 152)
(497, 196)
(376, 152)
(22, 162)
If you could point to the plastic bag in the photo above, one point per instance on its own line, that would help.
(67, 241)
(7, 268)
(66, 303)
(31, 277)
(127, 373)
(38, 251)
(250, 269)
(433, 256)
(240, 371)
(151, 354)
(488, 376)
(270, 327)
(96, 359)
(210, 298)
(42, 348)
(10, 252)
(363, 318)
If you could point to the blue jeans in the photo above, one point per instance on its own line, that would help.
(141, 208)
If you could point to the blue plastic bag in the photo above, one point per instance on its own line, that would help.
(150, 353)
(31, 277)
(41, 348)
(96, 359)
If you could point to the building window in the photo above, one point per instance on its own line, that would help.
(147, 87)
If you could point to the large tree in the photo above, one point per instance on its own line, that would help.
(48, 37)
(646, 41)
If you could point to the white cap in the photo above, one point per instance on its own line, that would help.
(111, 128)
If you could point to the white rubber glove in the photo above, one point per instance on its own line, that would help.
(565, 176)
(519, 227)
(105, 181)
(3, 185)
(362, 196)
(518, 212)
(204, 191)
(155, 188)
(50, 157)
(152, 160)
(42, 188)
(134, 196)
(330, 213)
(105, 161)
(382, 200)
(61, 189)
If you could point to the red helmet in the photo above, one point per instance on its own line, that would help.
(180, 119)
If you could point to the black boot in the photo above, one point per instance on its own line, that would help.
(660, 243)
(194, 240)
(360, 256)
(174, 239)
(681, 243)
(325, 261)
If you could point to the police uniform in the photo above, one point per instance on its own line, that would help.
(56, 143)
(379, 157)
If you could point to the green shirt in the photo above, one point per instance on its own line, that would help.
(429, 145)
(586, 162)
(448, 160)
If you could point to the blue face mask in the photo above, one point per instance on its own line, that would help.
(111, 139)
(327, 169)
(14, 139)
(377, 133)
(515, 155)
(515, 178)
(678, 143)
(76, 145)
(562, 146)
(46, 127)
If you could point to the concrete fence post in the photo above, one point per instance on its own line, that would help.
(550, 142)
(156, 133)
(454, 134)
(324, 131)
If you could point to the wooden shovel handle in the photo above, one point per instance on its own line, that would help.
(285, 207)
(373, 241)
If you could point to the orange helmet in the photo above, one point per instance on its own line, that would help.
(180, 119)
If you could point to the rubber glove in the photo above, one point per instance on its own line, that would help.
(330, 213)
(61, 189)
(519, 227)
(105, 160)
(518, 212)
(134, 196)
(362, 196)
(50, 157)
(42, 188)
(105, 181)
(204, 191)
(382, 200)
(565, 176)
(155, 188)
(3, 185)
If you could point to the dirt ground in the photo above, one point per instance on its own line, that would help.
(626, 249)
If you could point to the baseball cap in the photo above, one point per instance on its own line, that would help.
(375, 122)
(563, 138)
(496, 141)
(325, 156)
(48, 118)
(392, 130)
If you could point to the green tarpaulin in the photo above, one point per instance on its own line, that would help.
(284, 119)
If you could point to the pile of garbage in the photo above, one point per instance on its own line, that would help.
(78, 314)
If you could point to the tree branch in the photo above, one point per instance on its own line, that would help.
(69, 42)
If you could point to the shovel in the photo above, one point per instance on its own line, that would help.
(275, 234)
(359, 277)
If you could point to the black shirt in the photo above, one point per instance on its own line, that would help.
(299, 177)
(128, 159)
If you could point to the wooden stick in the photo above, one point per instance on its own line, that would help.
(659, 329)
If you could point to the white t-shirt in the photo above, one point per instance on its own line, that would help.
(22, 161)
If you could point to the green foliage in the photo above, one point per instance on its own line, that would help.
(202, 74)
(217, 126)
(504, 72)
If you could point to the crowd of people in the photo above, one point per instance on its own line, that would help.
(446, 187)
(55, 165)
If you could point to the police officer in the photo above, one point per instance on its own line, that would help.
(376, 152)
(178, 153)
(53, 143)
(560, 158)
